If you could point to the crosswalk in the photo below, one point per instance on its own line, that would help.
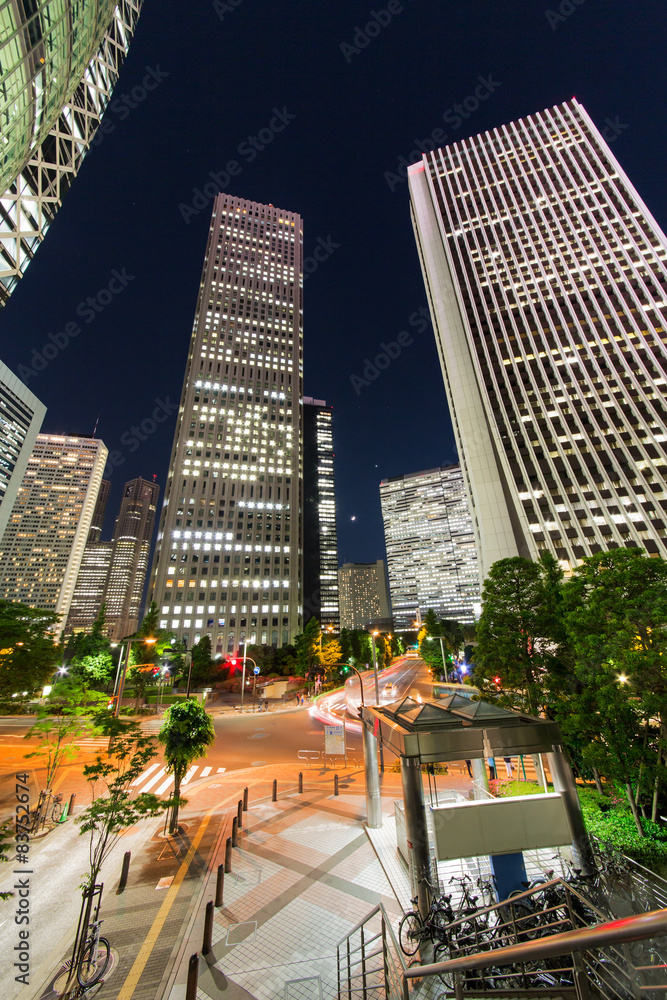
(93, 743)
(156, 780)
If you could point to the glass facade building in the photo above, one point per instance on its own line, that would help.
(21, 416)
(228, 562)
(59, 62)
(547, 278)
(320, 540)
(43, 544)
(431, 552)
(132, 537)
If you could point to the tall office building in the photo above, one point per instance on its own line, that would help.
(91, 585)
(228, 562)
(546, 276)
(95, 533)
(320, 540)
(363, 594)
(21, 415)
(431, 552)
(42, 547)
(59, 63)
(131, 545)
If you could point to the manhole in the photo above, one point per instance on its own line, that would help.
(243, 933)
(258, 763)
(258, 736)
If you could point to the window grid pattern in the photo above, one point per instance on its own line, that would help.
(561, 276)
(230, 530)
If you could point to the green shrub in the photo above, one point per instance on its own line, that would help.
(511, 787)
(615, 826)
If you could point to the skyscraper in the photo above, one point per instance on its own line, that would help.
(131, 545)
(546, 276)
(59, 63)
(320, 540)
(431, 552)
(42, 547)
(21, 415)
(99, 513)
(364, 595)
(228, 562)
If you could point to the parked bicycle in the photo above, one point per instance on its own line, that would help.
(95, 957)
(413, 928)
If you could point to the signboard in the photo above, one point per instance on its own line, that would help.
(256, 670)
(334, 740)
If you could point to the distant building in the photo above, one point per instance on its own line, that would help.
(59, 63)
(431, 552)
(21, 416)
(229, 554)
(364, 595)
(114, 573)
(132, 538)
(99, 513)
(320, 545)
(43, 544)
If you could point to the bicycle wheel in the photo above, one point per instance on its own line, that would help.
(410, 931)
(438, 921)
(441, 954)
(94, 963)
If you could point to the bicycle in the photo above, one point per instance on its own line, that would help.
(57, 811)
(413, 928)
(95, 957)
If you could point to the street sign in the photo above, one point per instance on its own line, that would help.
(334, 740)
(255, 670)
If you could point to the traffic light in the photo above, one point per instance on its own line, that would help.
(496, 681)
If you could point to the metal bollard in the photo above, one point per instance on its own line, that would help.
(70, 808)
(193, 977)
(335, 784)
(228, 855)
(300, 782)
(220, 885)
(239, 814)
(274, 793)
(245, 799)
(125, 871)
(235, 832)
(208, 928)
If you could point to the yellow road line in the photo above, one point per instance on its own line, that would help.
(134, 975)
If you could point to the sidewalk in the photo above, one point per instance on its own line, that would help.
(303, 875)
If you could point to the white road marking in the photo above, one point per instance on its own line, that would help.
(154, 780)
(205, 772)
(137, 781)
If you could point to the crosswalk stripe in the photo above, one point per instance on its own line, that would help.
(188, 777)
(165, 785)
(221, 770)
(206, 771)
(137, 781)
(154, 780)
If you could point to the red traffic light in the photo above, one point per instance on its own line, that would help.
(496, 680)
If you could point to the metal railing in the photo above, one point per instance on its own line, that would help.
(581, 941)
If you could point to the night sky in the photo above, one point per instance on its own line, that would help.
(348, 112)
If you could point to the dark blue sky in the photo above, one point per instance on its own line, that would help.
(218, 72)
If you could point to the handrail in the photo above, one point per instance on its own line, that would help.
(357, 927)
(635, 928)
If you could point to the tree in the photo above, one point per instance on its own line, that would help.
(61, 722)
(307, 647)
(28, 653)
(515, 633)
(202, 661)
(88, 654)
(615, 612)
(186, 733)
(331, 652)
(143, 653)
(114, 807)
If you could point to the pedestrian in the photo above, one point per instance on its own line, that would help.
(469, 769)
(492, 767)
(296, 695)
(508, 767)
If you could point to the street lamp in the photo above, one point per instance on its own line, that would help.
(121, 685)
(245, 657)
(442, 650)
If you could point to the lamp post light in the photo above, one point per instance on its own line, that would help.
(245, 657)
(123, 674)
(442, 650)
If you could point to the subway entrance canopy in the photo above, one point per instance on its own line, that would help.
(457, 728)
